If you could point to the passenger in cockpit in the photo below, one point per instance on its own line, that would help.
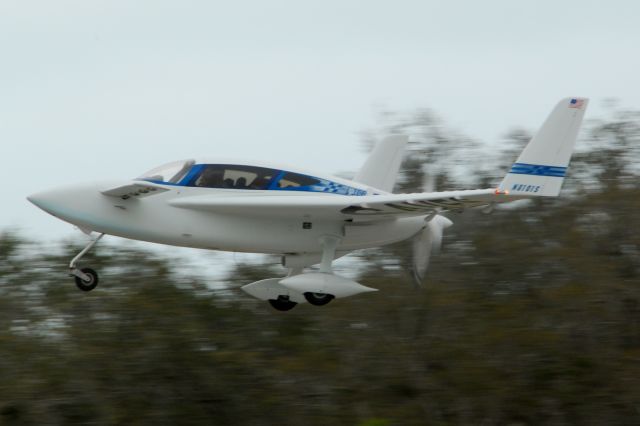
(241, 183)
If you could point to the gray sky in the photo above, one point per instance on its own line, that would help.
(108, 89)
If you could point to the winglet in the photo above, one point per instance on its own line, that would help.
(381, 168)
(542, 165)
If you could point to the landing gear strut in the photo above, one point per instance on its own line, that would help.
(329, 244)
(86, 278)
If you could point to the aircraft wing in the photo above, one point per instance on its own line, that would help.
(343, 207)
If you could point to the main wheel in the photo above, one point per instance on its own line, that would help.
(282, 303)
(89, 284)
(318, 299)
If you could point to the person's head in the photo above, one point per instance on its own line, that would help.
(211, 176)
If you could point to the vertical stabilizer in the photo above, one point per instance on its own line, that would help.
(541, 168)
(381, 168)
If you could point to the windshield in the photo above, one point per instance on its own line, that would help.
(170, 172)
(232, 176)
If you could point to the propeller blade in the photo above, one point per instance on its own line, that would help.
(425, 243)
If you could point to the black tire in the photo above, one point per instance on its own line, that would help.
(91, 283)
(282, 304)
(318, 299)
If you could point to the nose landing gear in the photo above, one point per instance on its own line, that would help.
(86, 278)
(87, 284)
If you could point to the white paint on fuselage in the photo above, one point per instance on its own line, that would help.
(153, 219)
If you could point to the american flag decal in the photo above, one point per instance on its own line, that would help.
(576, 103)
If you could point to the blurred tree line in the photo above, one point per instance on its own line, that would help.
(530, 315)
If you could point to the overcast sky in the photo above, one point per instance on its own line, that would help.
(108, 89)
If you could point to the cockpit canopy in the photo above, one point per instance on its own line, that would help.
(168, 173)
(235, 176)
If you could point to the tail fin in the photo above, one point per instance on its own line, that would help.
(541, 168)
(381, 168)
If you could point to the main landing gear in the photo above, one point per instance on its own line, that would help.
(282, 303)
(329, 244)
(318, 299)
(86, 278)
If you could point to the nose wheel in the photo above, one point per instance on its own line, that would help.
(88, 283)
(86, 278)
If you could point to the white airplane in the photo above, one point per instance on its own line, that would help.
(306, 217)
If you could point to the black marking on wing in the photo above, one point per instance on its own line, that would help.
(360, 210)
(438, 204)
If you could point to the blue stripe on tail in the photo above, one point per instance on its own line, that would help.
(537, 170)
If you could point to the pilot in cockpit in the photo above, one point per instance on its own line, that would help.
(211, 178)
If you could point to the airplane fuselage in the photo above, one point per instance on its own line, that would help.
(154, 219)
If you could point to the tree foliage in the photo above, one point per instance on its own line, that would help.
(531, 315)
